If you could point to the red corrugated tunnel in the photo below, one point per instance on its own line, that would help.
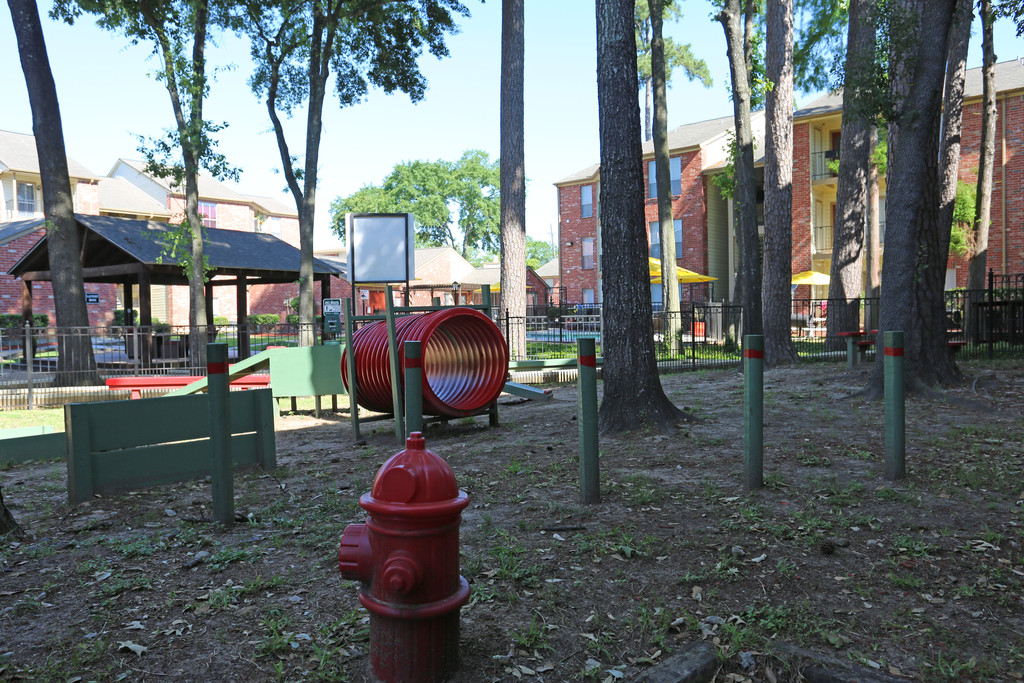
(465, 361)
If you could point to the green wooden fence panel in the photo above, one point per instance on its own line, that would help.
(145, 421)
(49, 446)
(130, 444)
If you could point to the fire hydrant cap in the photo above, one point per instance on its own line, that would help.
(415, 475)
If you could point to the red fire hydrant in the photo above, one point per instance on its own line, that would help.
(407, 554)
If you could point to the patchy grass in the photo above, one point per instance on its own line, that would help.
(921, 577)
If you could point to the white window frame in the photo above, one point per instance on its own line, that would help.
(210, 216)
(675, 174)
(588, 246)
(586, 201)
(18, 202)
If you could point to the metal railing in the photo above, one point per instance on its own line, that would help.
(820, 164)
(42, 366)
(45, 366)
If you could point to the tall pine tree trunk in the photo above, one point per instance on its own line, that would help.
(778, 186)
(669, 281)
(933, 249)
(633, 396)
(978, 263)
(872, 239)
(745, 194)
(851, 195)
(917, 70)
(513, 177)
(76, 362)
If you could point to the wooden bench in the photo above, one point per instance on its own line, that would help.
(857, 344)
(858, 348)
(138, 384)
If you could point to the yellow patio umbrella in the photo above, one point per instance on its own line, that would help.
(810, 277)
(682, 274)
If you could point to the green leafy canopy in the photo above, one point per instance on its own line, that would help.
(456, 203)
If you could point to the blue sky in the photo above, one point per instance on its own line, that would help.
(108, 97)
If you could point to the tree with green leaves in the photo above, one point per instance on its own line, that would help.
(76, 364)
(178, 32)
(538, 252)
(675, 55)
(297, 44)
(633, 396)
(455, 203)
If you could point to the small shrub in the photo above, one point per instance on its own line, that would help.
(9, 321)
(260, 319)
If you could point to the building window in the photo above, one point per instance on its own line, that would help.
(586, 201)
(26, 199)
(675, 167)
(655, 241)
(208, 211)
(588, 296)
(272, 226)
(588, 253)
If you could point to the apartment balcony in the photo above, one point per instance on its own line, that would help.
(823, 163)
(821, 238)
(18, 215)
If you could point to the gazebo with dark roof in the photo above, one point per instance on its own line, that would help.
(134, 252)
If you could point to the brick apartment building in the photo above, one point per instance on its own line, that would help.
(704, 220)
(129, 192)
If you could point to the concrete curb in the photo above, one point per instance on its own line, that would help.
(820, 668)
(695, 663)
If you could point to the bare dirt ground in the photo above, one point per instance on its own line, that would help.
(922, 579)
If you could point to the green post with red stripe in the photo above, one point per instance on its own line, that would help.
(753, 411)
(895, 408)
(222, 479)
(413, 366)
(586, 364)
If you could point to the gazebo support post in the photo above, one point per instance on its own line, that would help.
(146, 316)
(241, 311)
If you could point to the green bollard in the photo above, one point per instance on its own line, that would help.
(590, 472)
(350, 359)
(753, 411)
(413, 367)
(223, 482)
(895, 408)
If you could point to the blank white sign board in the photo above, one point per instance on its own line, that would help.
(381, 247)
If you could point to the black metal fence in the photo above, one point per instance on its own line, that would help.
(39, 366)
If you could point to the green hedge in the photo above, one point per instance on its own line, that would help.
(293, 319)
(9, 321)
(264, 319)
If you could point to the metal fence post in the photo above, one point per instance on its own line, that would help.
(220, 433)
(895, 416)
(29, 363)
(753, 411)
(586, 363)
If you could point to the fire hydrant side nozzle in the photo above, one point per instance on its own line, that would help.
(407, 557)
